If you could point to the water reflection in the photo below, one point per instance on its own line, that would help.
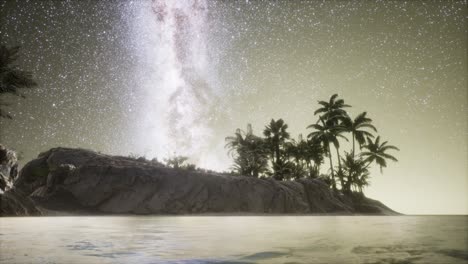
(246, 239)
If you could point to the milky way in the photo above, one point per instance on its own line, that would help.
(170, 38)
(115, 77)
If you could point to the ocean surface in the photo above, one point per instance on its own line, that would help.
(235, 239)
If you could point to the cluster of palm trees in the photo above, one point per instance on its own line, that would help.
(277, 155)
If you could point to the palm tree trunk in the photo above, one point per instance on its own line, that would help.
(347, 186)
(255, 169)
(353, 142)
(277, 150)
(331, 167)
(339, 160)
(340, 175)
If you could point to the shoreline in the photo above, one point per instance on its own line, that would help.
(239, 214)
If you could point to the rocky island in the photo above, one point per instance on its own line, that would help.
(79, 181)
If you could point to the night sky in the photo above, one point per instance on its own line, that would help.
(127, 77)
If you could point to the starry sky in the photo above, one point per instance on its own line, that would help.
(108, 80)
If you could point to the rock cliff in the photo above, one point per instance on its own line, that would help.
(83, 181)
(12, 201)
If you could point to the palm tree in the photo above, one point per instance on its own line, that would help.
(314, 152)
(283, 170)
(354, 169)
(332, 108)
(327, 134)
(376, 152)
(249, 152)
(255, 153)
(332, 113)
(298, 171)
(11, 77)
(276, 135)
(235, 142)
(362, 181)
(298, 151)
(295, 149)
(357, 128)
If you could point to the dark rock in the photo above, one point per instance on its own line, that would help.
(32, 176)
(58, 176)
(12, 202)
(77, 180)
(8, 168)
(15, 203)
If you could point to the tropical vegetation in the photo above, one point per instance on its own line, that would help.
(12, 78)
(281, 157)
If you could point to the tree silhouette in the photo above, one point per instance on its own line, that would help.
(327, 134)
(355, 169)
(249, 151)
(376, 152)
(233, 143)
(332, 114)
(331, 109)
(11, 77)
(276, 135)
(357, 128)
(314, 154)
(176, 162)
(298, 151)
(292, 159)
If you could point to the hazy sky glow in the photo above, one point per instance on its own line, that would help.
(109, 74)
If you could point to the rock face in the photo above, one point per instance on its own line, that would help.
(15, 203)
(8, 168)
(77, 180)
(12, 202)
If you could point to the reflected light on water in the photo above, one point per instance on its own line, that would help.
(235, 239)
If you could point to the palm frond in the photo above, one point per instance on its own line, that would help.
(341, 136)
(366, 125)
(320, 110)
(323, 103)
(388, 156)
(389, 147)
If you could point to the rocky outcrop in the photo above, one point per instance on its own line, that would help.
(15, 203)
(12, 201)
(8, 168)
(77, 180)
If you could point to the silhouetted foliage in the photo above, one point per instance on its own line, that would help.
(175, 161)
(357, 128)
(190, 167)
(355, 171)
(376, 152)
(250, 152)
(11, 77)
(276, 136)
(327, 134)
(282, 158)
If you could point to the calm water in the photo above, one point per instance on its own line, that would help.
(237, 239)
